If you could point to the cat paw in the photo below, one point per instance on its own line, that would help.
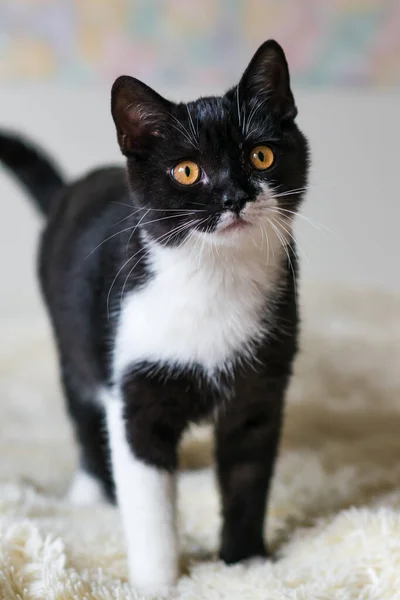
(232, 553)
(155, 587)
(154, 581)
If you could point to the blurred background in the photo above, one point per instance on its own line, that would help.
(58, 59)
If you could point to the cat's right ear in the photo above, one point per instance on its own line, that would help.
(139, 114)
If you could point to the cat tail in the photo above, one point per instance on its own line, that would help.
(33, 169)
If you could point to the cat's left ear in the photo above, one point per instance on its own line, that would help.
(139, 114)
(268, 76)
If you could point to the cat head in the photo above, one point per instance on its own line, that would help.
(219, 167)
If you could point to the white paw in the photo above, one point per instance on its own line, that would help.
(152, 580)
(154, 587)
(85, 490)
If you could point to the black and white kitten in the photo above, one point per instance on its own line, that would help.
(171, 289)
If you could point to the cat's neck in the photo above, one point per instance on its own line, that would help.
(243, 254)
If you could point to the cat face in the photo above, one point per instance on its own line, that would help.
(218, 166)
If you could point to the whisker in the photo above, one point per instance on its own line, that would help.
(182, 129)
(178, 229)
(165, 209)
(238, 104)
(316, 224)
(255, 243)
(268, 246)
(128, 217)
(191, 123)
(164, 236)
(284, 245)
(197, 125)
(264, 235)
(155, 221)
(107, 239)
(185, 135)
(310, 186)
(196, 204)
(192, 233)
(295, 242)
(294, 192)
(262, 239)
(253, 111)
(199, 258)
(124, 204)
(124, 265)
(134, 229)
(244, 118)
(188, 239)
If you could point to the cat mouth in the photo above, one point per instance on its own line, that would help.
(231, 222)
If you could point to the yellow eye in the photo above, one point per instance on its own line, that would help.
(262, 157)
(186, 172)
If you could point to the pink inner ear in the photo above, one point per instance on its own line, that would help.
(138, 113)
(132, 117)
(141, 118)
(138, 127)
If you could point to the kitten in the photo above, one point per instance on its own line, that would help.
(171, 289)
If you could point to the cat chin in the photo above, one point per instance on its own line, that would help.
(231, 223)
(239, 234)
(234, 227)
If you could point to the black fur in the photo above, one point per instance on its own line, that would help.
(82, 277)
(37, 173)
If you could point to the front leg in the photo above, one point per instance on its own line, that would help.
(247, 436)
(143, 437)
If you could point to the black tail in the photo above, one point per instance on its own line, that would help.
(32, 168)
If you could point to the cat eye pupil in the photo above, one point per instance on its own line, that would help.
(262, 157)
(187, 172)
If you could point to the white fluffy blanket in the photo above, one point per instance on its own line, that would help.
(334, 518)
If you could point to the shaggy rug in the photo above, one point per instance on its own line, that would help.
(335, 507)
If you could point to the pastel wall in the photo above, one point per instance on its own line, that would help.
(329, 42)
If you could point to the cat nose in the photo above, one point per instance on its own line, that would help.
(235, 201)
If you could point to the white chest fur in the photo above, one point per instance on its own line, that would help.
(202, 306)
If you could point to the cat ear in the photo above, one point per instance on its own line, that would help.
(268, 75)
(138, 113)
